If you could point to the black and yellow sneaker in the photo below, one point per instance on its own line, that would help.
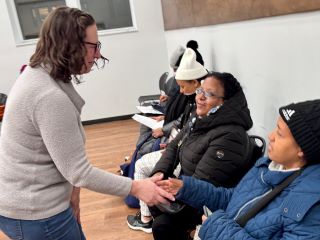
(134, 222)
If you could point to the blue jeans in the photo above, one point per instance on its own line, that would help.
(62, 226)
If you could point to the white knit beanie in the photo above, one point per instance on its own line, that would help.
(189, 68)
(176, 55)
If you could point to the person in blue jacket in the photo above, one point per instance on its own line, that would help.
(295, 212)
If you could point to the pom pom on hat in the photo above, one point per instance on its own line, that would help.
(192, 44)
(189, 68)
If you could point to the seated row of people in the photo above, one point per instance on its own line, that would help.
(178, 110)
(213, 147)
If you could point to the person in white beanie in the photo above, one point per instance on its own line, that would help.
(189, 68)
(174, 105)
(179, 106)
(189, 75)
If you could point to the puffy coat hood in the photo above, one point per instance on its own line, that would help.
(234, 111)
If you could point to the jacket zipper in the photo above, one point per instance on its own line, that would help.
(249, 202)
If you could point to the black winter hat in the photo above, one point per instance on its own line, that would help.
(303, 120)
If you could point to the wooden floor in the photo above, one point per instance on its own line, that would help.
(104, 217)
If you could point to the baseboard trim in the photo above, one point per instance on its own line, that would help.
(104, 120)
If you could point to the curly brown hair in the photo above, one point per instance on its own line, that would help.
(61, 43)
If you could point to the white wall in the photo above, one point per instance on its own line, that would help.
(275, 59)
(137, 60)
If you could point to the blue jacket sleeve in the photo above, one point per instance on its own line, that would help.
(198, 193)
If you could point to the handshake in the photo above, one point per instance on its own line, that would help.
(156, 191)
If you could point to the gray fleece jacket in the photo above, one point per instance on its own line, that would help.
(42, 150)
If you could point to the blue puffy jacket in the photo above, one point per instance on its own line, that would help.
(294, 214)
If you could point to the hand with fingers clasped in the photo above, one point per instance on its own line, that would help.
(156, 133)
(163, 98)
(172, 185)
(148, 191)
(158, 118)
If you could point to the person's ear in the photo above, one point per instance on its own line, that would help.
(300, 153)
(196, 83)
(302, 157)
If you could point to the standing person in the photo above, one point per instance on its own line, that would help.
(292, 214)
(42, 146)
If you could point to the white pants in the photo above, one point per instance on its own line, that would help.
(143, 169)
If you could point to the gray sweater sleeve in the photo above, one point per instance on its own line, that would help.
(58, 122)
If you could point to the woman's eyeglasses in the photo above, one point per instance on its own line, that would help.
(100, 62)
(97, 46)
(206, 94)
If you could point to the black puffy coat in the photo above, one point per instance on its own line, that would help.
(212, 148)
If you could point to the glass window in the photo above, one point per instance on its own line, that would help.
(31, 14)
(110, 14)
(27, 16)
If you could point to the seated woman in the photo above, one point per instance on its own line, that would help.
(212, 146)
(189, 75)
(292, 214)
(180, 104)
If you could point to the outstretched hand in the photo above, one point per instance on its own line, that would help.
(172, 185)
(148, 191)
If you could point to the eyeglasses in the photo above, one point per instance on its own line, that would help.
(97, 46)
(100, 62)
(206, 94)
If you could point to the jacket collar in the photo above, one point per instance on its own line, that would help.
(234, 111)
(304, 192)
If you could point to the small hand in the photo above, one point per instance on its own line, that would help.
(158, 118)
(204, 217)
(75, 203)
(162, 146)
(156, 133)
(148, 191)
(172, 185)
(163, 98)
